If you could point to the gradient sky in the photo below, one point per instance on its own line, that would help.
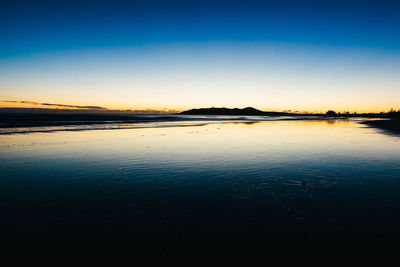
(272, 55)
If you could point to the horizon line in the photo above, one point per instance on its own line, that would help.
(99, 109)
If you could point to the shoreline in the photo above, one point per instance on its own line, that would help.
(391, 126)
(16, 122)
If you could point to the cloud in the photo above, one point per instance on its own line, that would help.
(55, 105)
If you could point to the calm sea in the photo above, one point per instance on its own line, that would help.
(190, 190)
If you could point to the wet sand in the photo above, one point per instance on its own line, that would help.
(274, 191)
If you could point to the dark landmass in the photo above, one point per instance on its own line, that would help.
(12, 120)
(249, 111)
(84, 111)
(37, 117)
(390, 126)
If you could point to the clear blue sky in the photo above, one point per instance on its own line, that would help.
(297, 55)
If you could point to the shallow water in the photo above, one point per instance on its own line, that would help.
(279, 188)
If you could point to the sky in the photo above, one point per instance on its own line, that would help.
(176, 55)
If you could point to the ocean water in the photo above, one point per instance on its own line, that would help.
(194, 190)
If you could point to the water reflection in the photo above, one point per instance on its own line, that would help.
(249, 189)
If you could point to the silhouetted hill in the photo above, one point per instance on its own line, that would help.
(249, 111)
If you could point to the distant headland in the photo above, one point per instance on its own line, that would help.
(36, 117)
(249, 111)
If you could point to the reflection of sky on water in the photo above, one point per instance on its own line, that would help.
(289, 152)
(227, 142)
(238, 183)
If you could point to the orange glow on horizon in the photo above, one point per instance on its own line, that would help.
(157, 109)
